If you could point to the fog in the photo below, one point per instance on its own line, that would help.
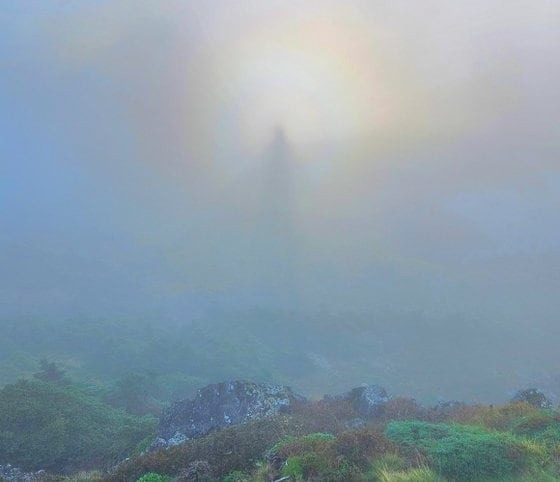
(334, 161)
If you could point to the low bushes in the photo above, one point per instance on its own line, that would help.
(305, 457)
(153, 477)
(236, 476)
(321, 456)
(466, 452)
(60, 428)
(510, 443)
(234, 448)
(500, 417)
(542, 426)
(361, 446)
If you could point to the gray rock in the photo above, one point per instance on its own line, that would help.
(355, 423)
(368, 401)
(197, 471)
(13, 474)
(219, 406)
(159, 443)
(533, 397)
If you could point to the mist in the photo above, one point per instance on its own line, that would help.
(382, 174)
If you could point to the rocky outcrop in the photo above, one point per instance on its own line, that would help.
(533, 397)
(14, 474)
(368, 400)
(197, 471)
(219, 406)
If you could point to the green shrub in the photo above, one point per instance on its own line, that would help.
(293, 468)
(541, 425)
(60, 428)
(321, 456)
(465, 452)
(153, 477)
(236, 476)
(315, 466)
(307, 456)
(550, 435)
(361, 445)
(306, 443)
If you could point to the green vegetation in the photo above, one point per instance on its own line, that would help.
(171, 360)
(49, 422)
(467, 452)
(234, 448)
(312, 441)
(236, 476)
(64, 427)
(308, 456)
(321, 456)
(82, 476)
(153, 477)
(420, 474)
(406, 451)
(60, 427)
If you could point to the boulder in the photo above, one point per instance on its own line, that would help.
(14, 474)
(221, 405)
(533, 397)
(368, 400)
(197, 471)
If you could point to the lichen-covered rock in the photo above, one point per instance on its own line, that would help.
(199, 471)
(13, 474)
(221, 405)
(368, 400)
(533, 397)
